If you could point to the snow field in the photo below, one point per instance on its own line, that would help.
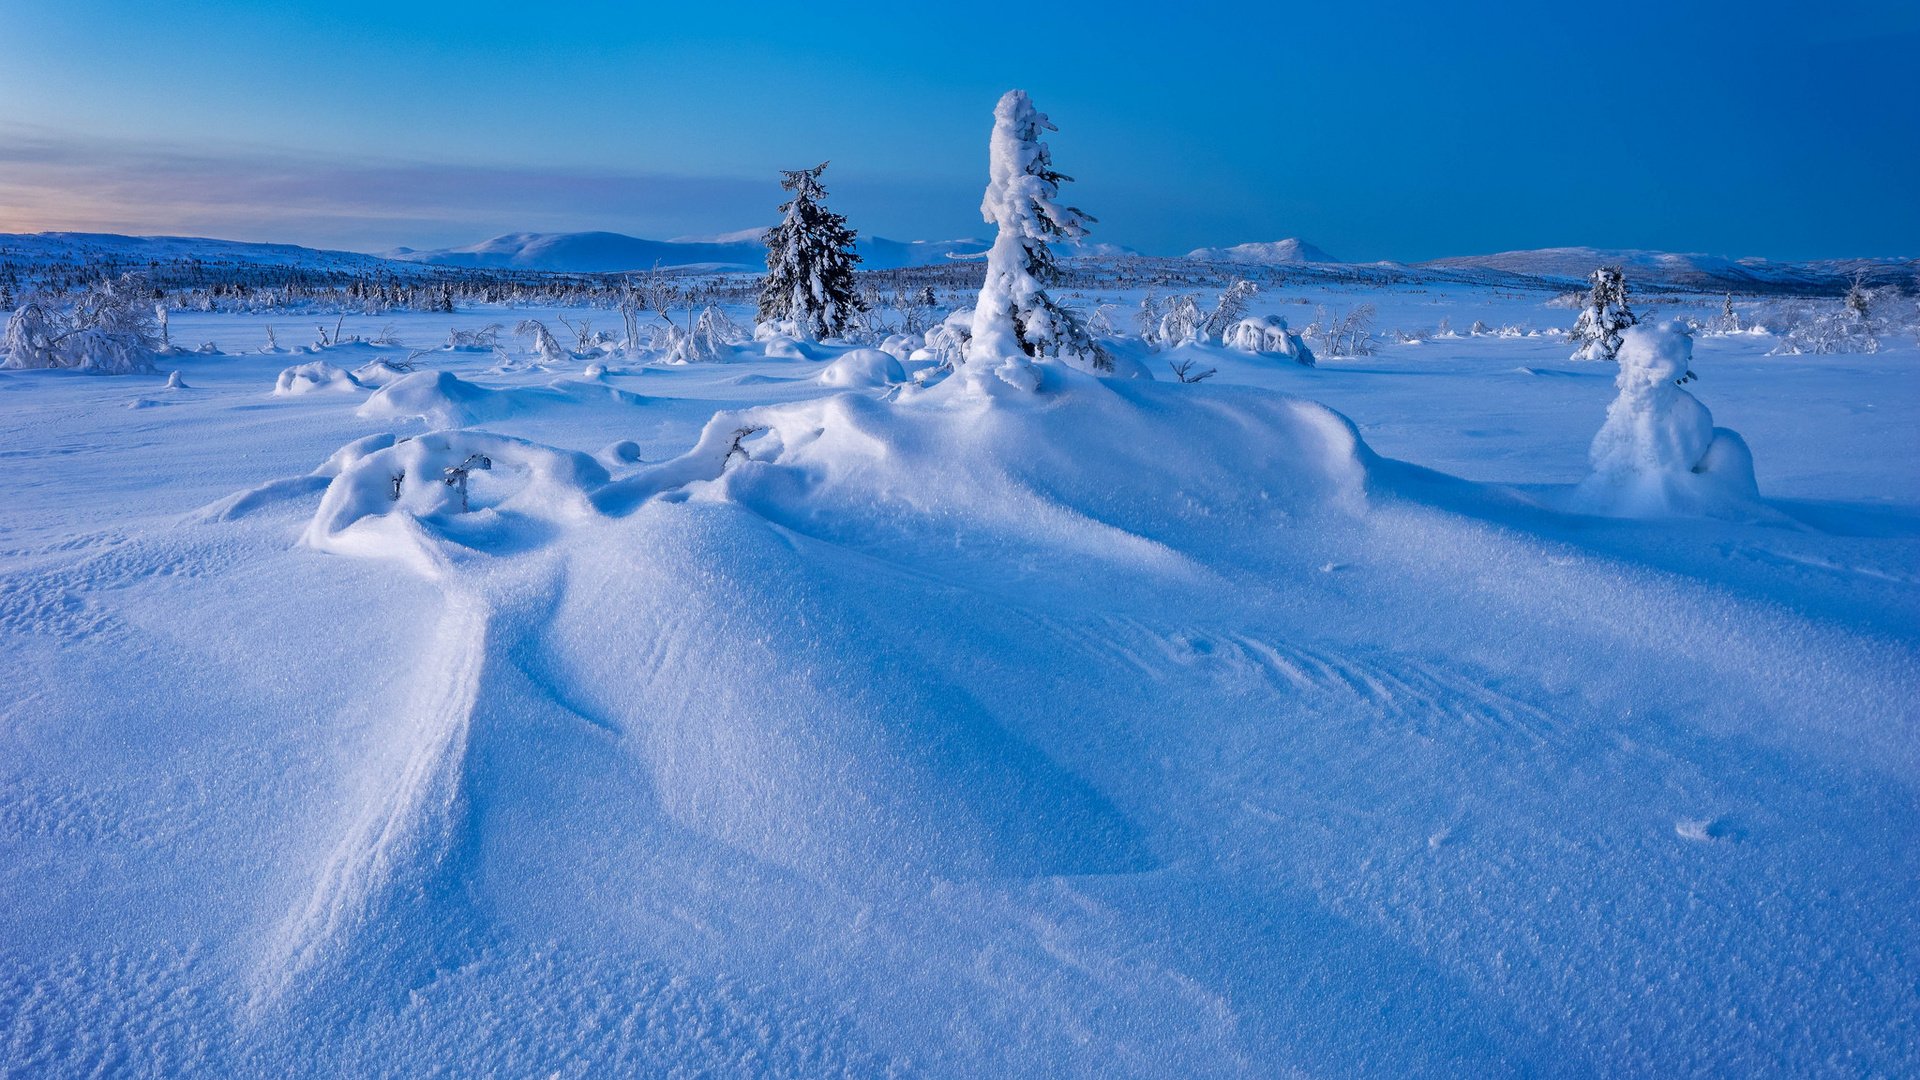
(753, 720)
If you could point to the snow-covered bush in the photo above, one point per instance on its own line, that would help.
(1658, 452)
(1605, 316)
(544, 345)
(1229, 309)
(903, 345)
(1827, 332)
(1015, 321)
(1727, 322)
(1350, 334)
(586, 339)
(485, 339)
(1268, 334)
(810, 262)
(1182, 324)
(1856, 325)
(32, 339)
(711, 337)
(109, 329)
(381, 371)
(946, 342)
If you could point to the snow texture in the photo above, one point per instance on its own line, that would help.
(716, 721)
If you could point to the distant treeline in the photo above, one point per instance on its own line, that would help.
(194, 284)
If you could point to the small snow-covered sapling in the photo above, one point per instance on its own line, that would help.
(456, 475)
(1184, 372)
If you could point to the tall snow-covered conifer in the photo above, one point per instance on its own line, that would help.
(809, 262)
(1015, 321)
(1605, 318)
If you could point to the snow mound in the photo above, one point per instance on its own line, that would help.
(1658, 454)
(378, 373)
(504, 481)
(445, 400)
(1268, 334)
(314, 375)
(1079, 465)
(759, 544)
(441, 398)
(902, 346)
(778, 346)
(863, 368)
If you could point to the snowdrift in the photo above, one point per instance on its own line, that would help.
(757, 546)
(315, 375)
(443, 399)
(863, 368)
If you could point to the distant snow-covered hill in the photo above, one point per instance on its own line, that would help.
(1290, 250)
(589, 253)
(115, 250)
(1681, 270)
(69, 258)
(607, 252)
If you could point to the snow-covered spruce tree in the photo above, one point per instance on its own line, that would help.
(1015, 322)
(1147, 319)
(1605, 317)
(809, 262)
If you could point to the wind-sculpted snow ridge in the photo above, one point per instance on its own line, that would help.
(443, 399)
(848, 763)
(711, 566)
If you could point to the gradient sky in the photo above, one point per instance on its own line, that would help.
(1403, 131)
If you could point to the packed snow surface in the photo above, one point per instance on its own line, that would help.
(1457, 710)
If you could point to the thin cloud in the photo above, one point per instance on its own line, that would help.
(52, 181)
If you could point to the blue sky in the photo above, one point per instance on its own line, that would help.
(1374, 130)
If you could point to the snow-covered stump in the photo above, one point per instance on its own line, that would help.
(1658, 454)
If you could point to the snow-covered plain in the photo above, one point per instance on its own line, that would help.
(1133, 728)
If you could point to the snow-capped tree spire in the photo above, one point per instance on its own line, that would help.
(1015, 321)
(809, 262)
(1605, 318)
